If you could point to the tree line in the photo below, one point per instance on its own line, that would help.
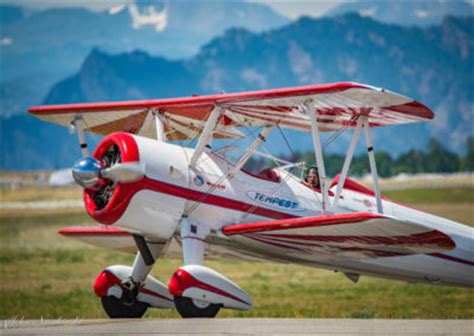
(436, 158)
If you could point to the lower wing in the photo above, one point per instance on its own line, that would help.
(110, 238)
(346, 236)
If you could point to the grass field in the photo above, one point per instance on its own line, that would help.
(431, 195)
(29, 194)
(45, 275)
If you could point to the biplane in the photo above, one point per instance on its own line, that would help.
(158, 175)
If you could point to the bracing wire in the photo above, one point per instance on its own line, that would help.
(288, 175)
(198, 202)
(201, 199)
(286, 140)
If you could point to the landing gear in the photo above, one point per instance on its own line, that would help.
(127, 306)
(122, 289)
(120, 308)
(192, 308)
(200, 291)
(193, 253)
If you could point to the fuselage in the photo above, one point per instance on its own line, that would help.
(289, 196)
(210, 196)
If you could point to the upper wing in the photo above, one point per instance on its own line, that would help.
(349, 236)
(336, 105)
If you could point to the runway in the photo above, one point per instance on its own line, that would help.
(238, 326)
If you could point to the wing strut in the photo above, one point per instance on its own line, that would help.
(347, 162)
(373, 166)
(206, 136)
(78, 127)
(160, 133)
(362, 121)
(248, 153)
(309, 108)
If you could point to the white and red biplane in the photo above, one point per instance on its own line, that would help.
(146, 188)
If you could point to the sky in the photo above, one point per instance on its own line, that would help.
(295, 9)
(291, 9)
(288, 8)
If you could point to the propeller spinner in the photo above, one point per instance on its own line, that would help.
(88, 171)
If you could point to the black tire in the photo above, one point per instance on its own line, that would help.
(187, 309)
(116, 308)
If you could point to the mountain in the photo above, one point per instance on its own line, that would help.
(43, 47)
(432, 65)
(58, 39)
(133, 76)
(30, 144)
(419, 13)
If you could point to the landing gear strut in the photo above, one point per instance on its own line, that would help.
(122, 301)
(193, 236)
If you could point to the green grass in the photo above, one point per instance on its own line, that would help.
(39, 230)
(54, 283)
(432, 195)
(31, 194)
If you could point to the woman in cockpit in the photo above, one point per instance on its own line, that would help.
(312, 177)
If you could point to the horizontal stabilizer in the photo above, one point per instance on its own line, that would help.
(110, 238)
(349, 236)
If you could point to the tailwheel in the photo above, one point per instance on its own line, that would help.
(119, 308)
(192, 308)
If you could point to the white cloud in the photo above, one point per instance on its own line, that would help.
(421, 13)
(367, 12)
(6, 41)
(150, 17)
(290, 9)
(295, 9)
(116, 9)
(252, 76)
(142, 16)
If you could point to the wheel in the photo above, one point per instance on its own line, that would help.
(187, 307)
(117, 308)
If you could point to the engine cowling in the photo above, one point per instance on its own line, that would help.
(151, 204)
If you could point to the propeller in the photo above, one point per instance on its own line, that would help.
(101, 176)
(87, 172)
(124, 172)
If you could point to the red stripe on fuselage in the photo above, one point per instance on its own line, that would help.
(220, 201)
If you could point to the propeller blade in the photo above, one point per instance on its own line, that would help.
(124, 172)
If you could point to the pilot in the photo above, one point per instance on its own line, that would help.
(312, 177)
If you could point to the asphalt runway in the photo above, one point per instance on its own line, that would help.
(237, 326)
